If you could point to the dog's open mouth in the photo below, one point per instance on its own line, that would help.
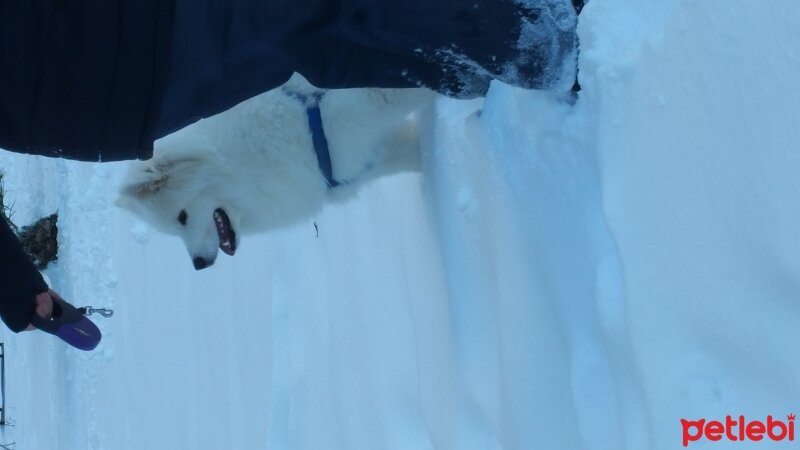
(227, 237)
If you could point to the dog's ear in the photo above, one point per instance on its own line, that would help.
(144, 181)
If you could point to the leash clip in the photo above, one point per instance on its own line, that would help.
(105, 312)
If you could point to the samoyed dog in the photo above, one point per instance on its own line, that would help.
(265, 164)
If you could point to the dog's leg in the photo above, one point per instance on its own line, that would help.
(401, 149)
(397, 152)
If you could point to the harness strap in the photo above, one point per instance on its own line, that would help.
(318, 138)
(321, 144)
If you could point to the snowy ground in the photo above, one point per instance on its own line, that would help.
(561, 277)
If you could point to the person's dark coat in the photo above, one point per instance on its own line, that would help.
(101, 79)
(19, 279)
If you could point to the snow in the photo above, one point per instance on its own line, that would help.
(562, 276)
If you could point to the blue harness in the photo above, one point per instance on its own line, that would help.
(314, 114)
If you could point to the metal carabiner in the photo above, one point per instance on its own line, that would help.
(105, 312)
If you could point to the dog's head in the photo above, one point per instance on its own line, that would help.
(175, 194)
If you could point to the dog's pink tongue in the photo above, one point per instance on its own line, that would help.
(227, 237)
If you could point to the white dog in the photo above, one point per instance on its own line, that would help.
(256, 167)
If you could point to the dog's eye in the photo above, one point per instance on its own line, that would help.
(182, 217)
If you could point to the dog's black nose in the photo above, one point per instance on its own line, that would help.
(200, 263)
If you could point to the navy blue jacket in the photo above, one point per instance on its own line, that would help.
(101, 79)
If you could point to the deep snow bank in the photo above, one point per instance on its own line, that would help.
(696, 132)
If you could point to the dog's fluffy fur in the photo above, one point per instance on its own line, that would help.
(253, 168)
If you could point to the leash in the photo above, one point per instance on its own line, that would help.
(311, 102)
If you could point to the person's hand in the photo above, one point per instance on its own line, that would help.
(44, 303)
